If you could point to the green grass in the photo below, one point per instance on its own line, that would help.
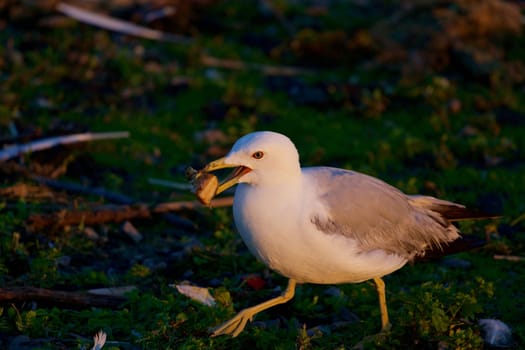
(406, 135)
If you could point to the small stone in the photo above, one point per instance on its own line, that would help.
(91, 234)
(132, 232)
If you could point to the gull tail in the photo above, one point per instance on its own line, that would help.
(462, 244)
(449, 210)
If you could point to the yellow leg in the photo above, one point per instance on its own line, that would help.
(380, 287)
(235, 326)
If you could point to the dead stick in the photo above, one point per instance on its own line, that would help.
(76, 300)
(119, 26)
(42, 144)
(116, 213)
(239, 65)
(509, 257)
(88, 217)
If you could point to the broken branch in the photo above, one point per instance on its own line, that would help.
(118, 25)
(239, 65)
(509, 257)
(115, 213)
(76, 300)
(39, 145)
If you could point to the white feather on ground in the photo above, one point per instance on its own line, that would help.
(497, 333)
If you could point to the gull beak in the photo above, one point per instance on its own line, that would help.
(230, 180)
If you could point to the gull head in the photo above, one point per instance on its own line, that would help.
(259, 158)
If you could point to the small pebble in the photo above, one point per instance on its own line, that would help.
(132, 232)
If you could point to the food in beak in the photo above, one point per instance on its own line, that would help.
(204, 184)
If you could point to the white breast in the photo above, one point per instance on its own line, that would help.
(276, 228)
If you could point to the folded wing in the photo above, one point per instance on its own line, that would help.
(379, 216)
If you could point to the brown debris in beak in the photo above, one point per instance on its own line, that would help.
(204, 184)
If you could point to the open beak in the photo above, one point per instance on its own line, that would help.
(230, 180)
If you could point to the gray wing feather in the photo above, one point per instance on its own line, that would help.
(375, 214)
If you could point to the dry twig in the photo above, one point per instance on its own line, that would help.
(239, 65)
(39, 145)
(509, 257)
(116, 213)
(76, 300)
(118, 25)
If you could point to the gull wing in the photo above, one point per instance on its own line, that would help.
(375, 214)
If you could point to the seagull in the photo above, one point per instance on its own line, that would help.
(325, 225)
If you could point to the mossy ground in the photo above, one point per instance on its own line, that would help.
(445, 134)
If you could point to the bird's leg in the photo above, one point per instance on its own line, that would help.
(380, 287)
(237, 324)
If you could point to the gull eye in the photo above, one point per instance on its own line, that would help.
(258, 155)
